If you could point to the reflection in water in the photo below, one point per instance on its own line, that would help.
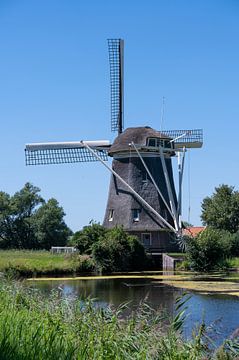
(221, 311)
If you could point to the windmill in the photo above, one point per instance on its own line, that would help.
(142, 196)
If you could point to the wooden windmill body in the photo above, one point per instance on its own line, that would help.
(142, 196)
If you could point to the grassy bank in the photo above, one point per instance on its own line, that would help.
(234, 263)
(37, 263)
(32, 263)
(34, 327)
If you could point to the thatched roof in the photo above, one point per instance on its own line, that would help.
(138, 135)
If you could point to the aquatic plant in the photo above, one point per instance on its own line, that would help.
(36, 327)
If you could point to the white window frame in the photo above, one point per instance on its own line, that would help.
(111, 214)
(135, 213)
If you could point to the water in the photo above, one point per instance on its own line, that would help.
(220, 312)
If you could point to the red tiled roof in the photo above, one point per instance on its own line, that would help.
(193, 230)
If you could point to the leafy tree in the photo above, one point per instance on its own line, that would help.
(84, 239)
(49, 225)
(6, 228)
(209, 249)
(221, 210)
(186, 224)
(27, 222)
(23, 205)
(119, 251)
(235, 244)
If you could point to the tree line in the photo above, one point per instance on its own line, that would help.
(219, 242)
(27, 221)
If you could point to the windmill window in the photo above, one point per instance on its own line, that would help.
(167, 144)
(152, 142)
(146, 239)
(135, 215)
(155, 142)
(111, 214)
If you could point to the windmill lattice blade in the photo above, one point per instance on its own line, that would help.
(186, 138)
(62, 156)
(116, 83)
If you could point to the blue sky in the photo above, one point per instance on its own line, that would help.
(54, 86)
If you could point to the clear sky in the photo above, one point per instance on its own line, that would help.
(54, 86)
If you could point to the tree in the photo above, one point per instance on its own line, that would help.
(28, 222)
(84, 239)
(119, 251)
(49, 225)
(6, 228)
(24, 204)
(209, 249)
(221, 210)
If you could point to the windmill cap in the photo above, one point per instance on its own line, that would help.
(138, 135)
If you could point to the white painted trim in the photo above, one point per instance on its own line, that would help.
(67, 145)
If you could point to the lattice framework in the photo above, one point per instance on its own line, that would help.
(116, 83)
(186, 137)
(62, 156)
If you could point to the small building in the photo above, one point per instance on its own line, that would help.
(193, 231)
(63, 249)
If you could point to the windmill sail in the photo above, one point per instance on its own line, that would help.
(186, 138)
(116, 57)
(65, 152)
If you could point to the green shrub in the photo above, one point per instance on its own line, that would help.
(119, 251)
(85, 238)
(85, 264)
(209, 250)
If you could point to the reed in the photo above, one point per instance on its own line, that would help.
(36, 327)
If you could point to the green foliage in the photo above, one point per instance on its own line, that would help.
(28, 222)
(209, 250)
(36, 327)
(235, 244)
(119, 251)
(50, 228)
(85, 238)
(221, 210)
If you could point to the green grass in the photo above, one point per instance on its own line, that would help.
(177, 255)
(234, 262)
(36, 327)
(30, 263)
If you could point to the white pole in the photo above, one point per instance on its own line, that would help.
(180, 175)
(153, 181)
(170, 194)
(130, 188)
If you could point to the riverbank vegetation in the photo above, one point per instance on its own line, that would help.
(30, 263)
(215, 247)
(102, 251)
(35, 327)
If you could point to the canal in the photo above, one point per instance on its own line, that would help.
(217, 307)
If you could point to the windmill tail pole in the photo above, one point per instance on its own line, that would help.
(151, 177)
(149, 207)
(170, 194)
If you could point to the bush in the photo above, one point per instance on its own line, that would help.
(118, 251)
(85, 238)
(209, 250)
(85, 263)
